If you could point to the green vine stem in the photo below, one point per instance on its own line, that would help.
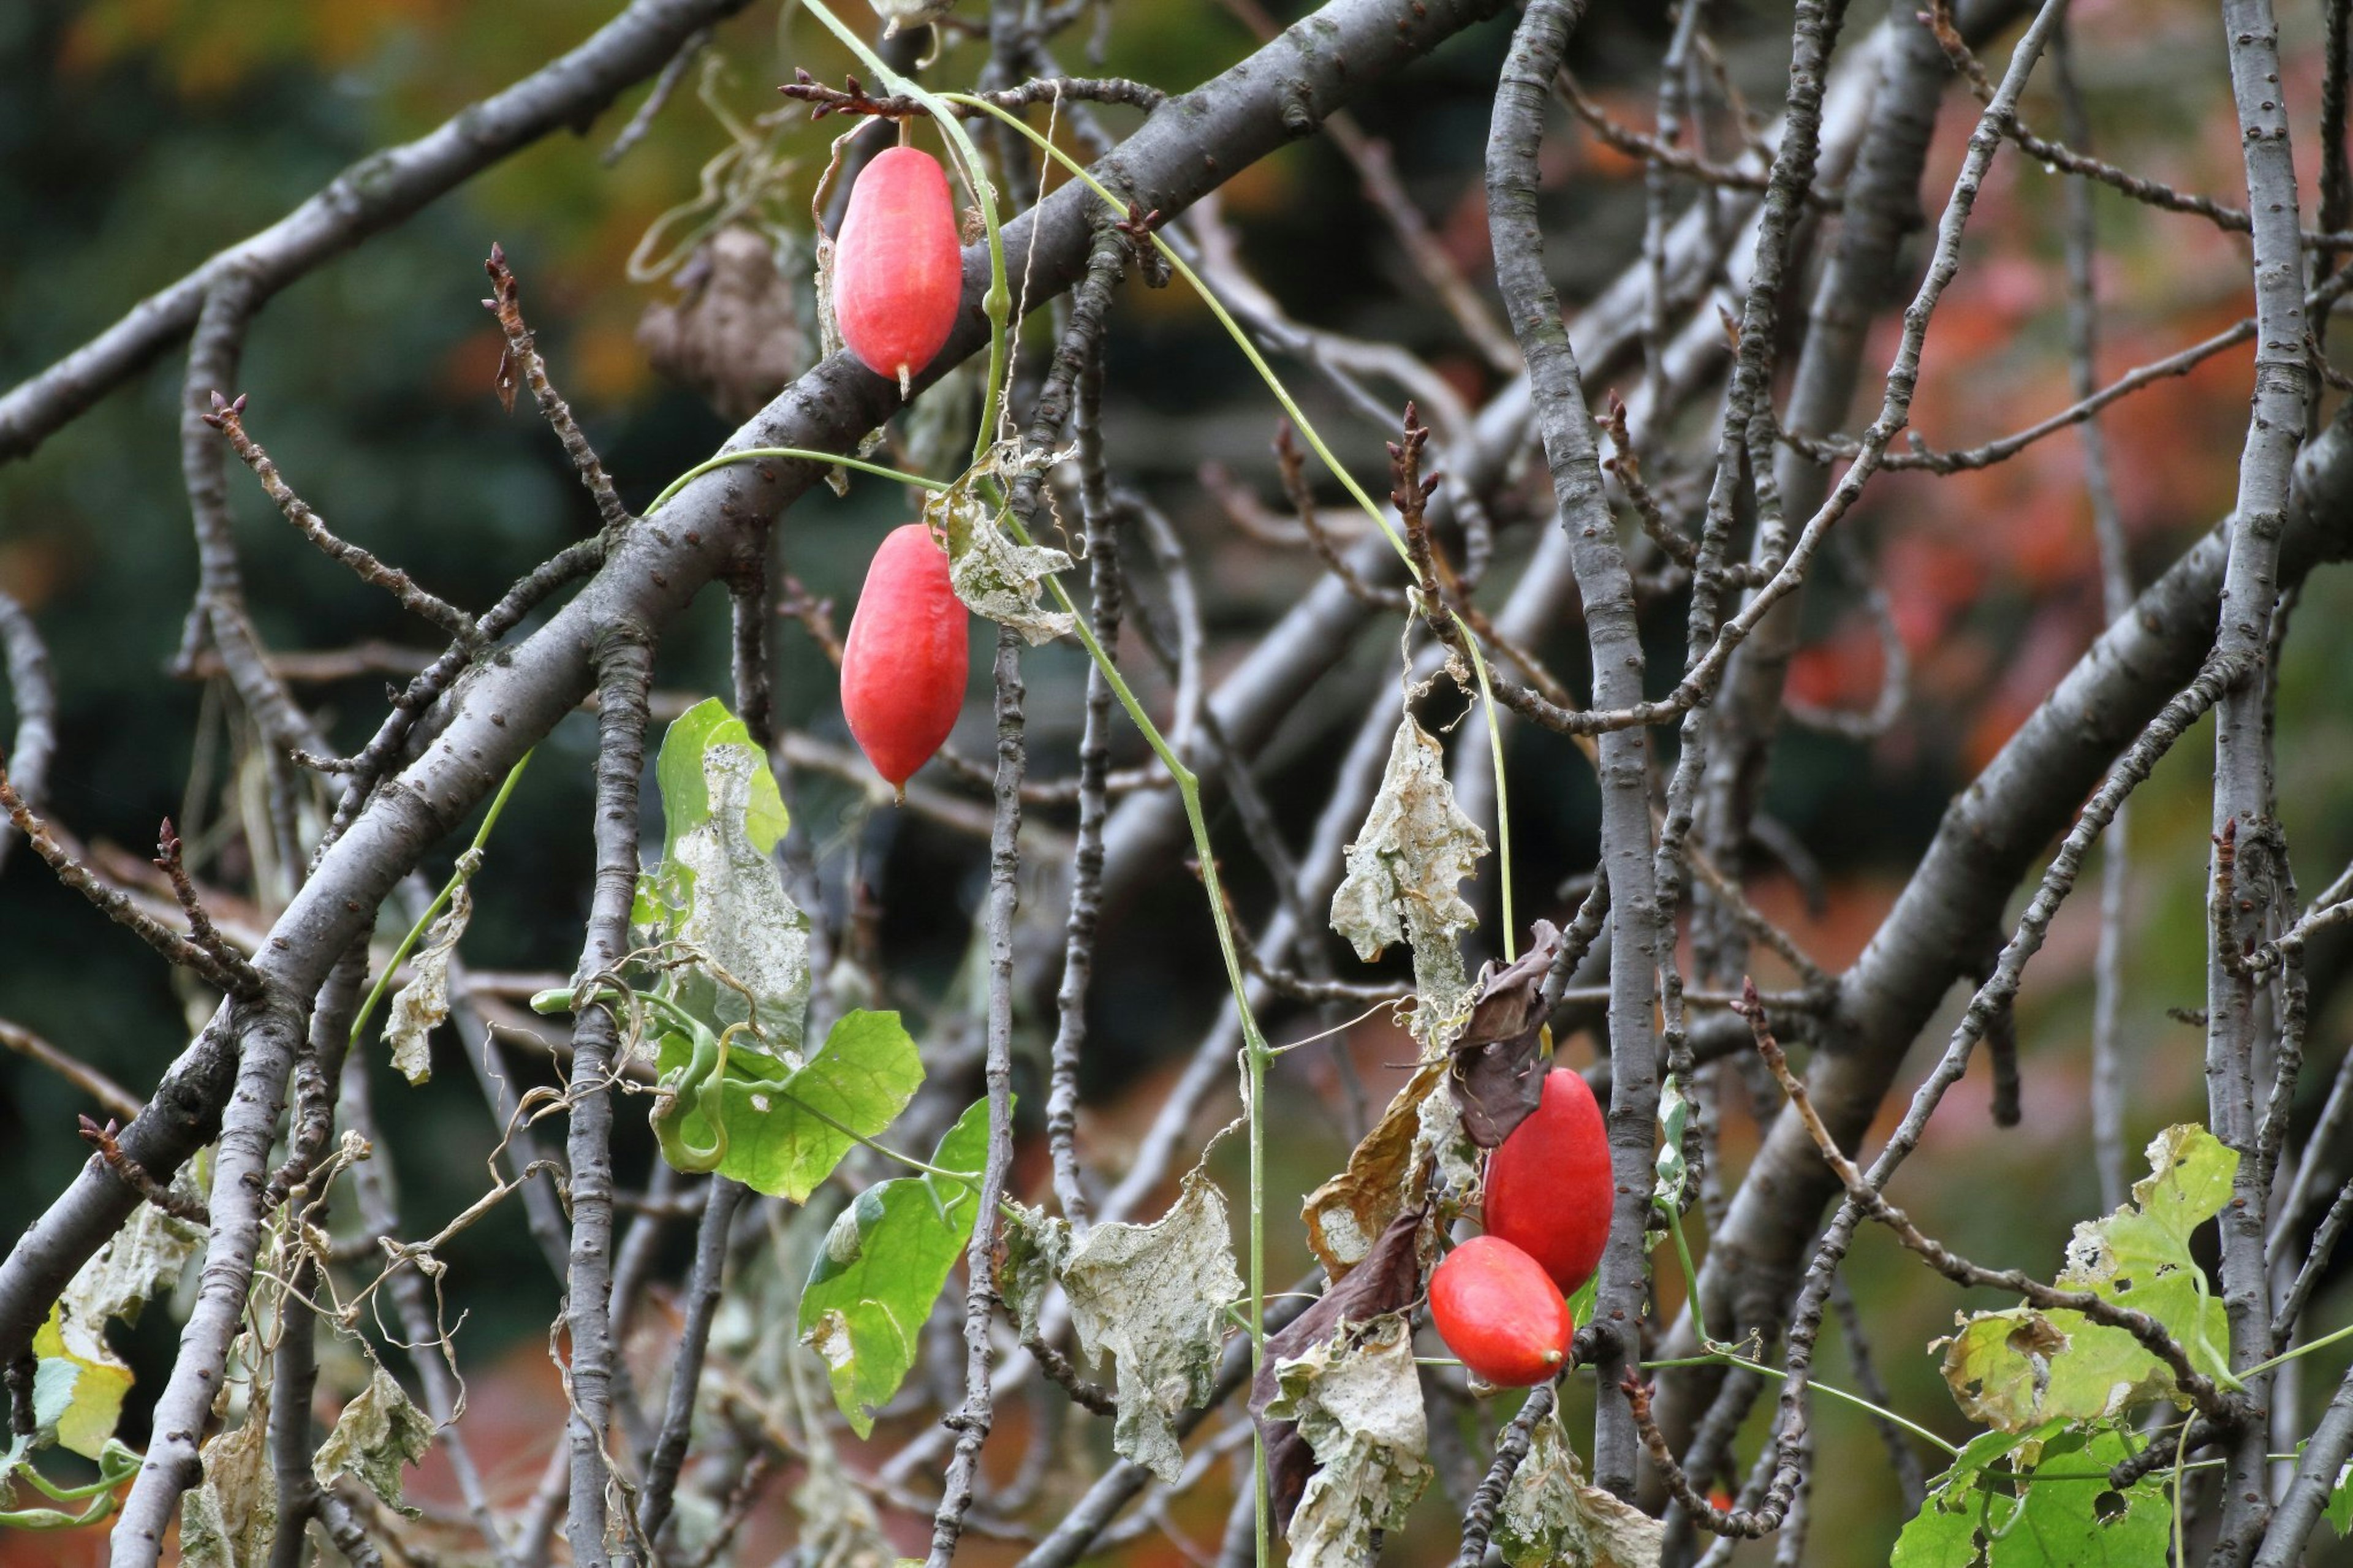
(1725, 1358)
(116, 1463)
(457, 878)
(802, 453)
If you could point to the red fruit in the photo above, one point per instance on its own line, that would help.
(903, 665)
(897, 268)
(1495, 1307)
(1548, 1187)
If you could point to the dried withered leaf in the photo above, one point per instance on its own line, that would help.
(1154, 1297)
(1346, 1214)
(1357, 1399)
(1497, 1079)
(1404, 869)
(1387, 1280)
(422, 1005)
(733, 335)
(1550, 1514)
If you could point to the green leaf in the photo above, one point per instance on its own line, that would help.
(2053, 1510)
(885, 1261)
(1550, 1515)
(781, 1137)
(716, 888)
(88, 1413)
(2139, 1256)
(1156, 1296)
(2340, 1498)
(2020, 1368)
(2017, 1369)
(1580, 1306)
(378, 1432)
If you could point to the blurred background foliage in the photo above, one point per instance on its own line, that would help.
(137, 136)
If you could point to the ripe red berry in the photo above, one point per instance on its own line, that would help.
(897, 268)
(1496, 1309)
(1548, 1187)
(903, 663)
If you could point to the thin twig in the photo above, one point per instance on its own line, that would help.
(241, 982)
(523, 355)
(228, 418)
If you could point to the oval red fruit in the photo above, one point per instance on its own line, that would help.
(1496, 1309)
(903, 663)
(1548, 1187)
(898, 266)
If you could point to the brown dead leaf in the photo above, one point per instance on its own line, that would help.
(1346, 1214)
(1497, 1079)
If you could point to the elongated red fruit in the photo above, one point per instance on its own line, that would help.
(898, 269)
(903, 664)
(1548, 1187)
(1496, 1309)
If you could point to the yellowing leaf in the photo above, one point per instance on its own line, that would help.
(99, 1381)
(2017, 1369)
(2139, 1256)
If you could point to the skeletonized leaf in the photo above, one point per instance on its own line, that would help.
(378, 1434)
(784, 1125)
(1409, 857)
(92, 1402)
(1551, 1515)
(142, 1261)
(230, 1519)
(717, 888)
(898, 13)
(1357, 1398)
(883, 1268)
(995, 576)
(1347, 1212)
(839, 1528)
(1155, 1296)
(422, 1005)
